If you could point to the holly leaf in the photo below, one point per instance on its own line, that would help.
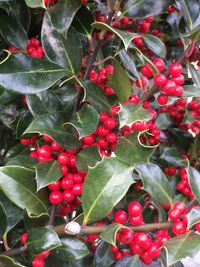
(18, 184)
(120, 82)
(135, 152)
(125, 37)
(129, 262)
(109, 235)
(63, 49)
(130, 113)
(35, 3)
(155, 45)
(71, 250)
(51, 125)
(27, 75)
(191, 91)
(155, 182)
(87, 157)
(194, 181)
(144, 8)
(62, 14)
(109, 175)
(42, 239)
(177, 248)
(85, 121)
(7, 261)
(3, 221)
(193, 217)
(103, 256)
(47, 172)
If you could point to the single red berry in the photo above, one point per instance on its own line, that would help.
(64, 209)
(25, 142)
(175, 69)
(134, 209)
(120, 217)
(37, 262)
(63, 158)
(55, 197)
(47, 138)
(180, 206)
(160, 79)
(23, 238)
(77, 189)
(179, 80)
(137, 126)
(88, 140)
(44, 151)
(162, 99)
(68, 196)
(54, 186)
(44, 254)
(126, 236)
(154, 251)
(55, 146)
(147, 71)
(197, 227)
(110, 123)
(169, 88)
(67, 183)
(111, 138)
(179, 228)
(142, 82)
(136, 220)
(159, 63)
(77, 178)
(143, 240)
(174, 214)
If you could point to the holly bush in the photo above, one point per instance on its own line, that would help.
(100, 132)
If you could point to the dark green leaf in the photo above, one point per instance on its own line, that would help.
(130, 113)
(129, 262)
(135, 152)
(125, 37)
(35, 3)
(155, 182)
(72, 249)
(19, 186)
(120, 82)
(63, 49)
(47, 172)
(191, 91)
(181, 138)
(14, 214)
(109, 235)
(193, 217)
(51, 124)
(163, 121)
(195, 73)
(3, 221)
(109, 175)
(194, 180)
(173, 157)
(145, 8)
(62, 15)
(13, 32)
(96, 96)
(182, 246)
(42, 239)
(81, 24)
(155, 45)
(88, 156)
(85, 121)
(9, 262)
(103, 256)
(24, 119)
(27, 75)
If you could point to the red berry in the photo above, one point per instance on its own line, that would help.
(120, 217)
(110, 123)
(68, 196)
(154, 251)
(25, 142)
(37, 262)
(160, 79)
(109, 69)
(147, 71)
(137, 126)
(169, 88)
(54, 186)
(111, 138)
(179, 80)
(77, 178)
(88, 140)
(180, 206)
(23, 238)
(179, 228)
(142, 82)
(67, 183)
(47, 138)
(175, 69)
(126, 236)
(63, 158)
(55, 197)
(159, 63)
(143, 240)
(77, 189)
(136, 220)
(44, 254)
(162, 99)
(174, 214)
(44, 151)
(134, 209)
(55, 146)
(197, 227)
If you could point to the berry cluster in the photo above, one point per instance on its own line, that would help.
(34, 49)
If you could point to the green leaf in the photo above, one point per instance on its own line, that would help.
(47, 172)
(155, 182)
(155, 45)
(130, 113)
(9, 262)
(96, 97)
(191, 91)
(109, 235)
(85, 121)
(129, 262)
(87, 157)
(42, 239)
(63, 49)
(27, 75)
(144, 8)
(35, 3)
(125, 37)
(193, 217)
(177, 248)
(194, 34)
(194, 181)
(14, 214)
(3, 221)
(195, 73)
(103, 256)
(62, 15)
(172, 156)
(72, 249)
(19, 186)
(120, 82)
(109, 175)
(43, 103)
(51, 124)
(13, 32)
(81, 24)
(181, 138)
(163, 121)
(135, 152)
